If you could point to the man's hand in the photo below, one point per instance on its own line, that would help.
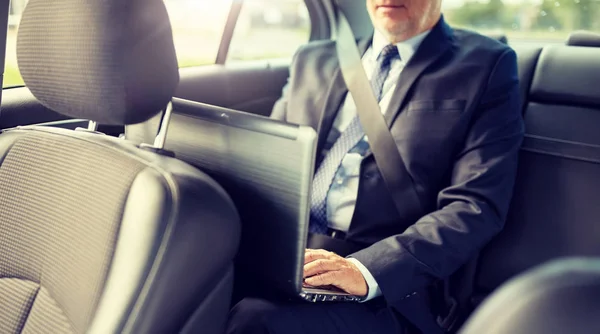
(323, 268)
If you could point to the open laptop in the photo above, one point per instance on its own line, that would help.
(266, 166)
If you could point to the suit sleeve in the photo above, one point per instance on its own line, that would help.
(472, 209)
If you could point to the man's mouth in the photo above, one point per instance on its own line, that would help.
(389, 7)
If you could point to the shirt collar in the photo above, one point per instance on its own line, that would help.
(406, 48)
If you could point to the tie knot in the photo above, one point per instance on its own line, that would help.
(388, 53)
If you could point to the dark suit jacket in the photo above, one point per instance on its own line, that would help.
(456, 120)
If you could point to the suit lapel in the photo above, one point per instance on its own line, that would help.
(433, 48)
(336, 93)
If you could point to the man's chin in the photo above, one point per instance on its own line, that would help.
(396, 32)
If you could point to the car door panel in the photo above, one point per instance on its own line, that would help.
(252, 86)
(20, 107)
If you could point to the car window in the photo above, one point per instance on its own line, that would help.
(269, 29)
(12, 77)
(541, 21)
(197, 30)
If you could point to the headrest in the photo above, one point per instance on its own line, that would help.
(567, 75)
(584, 38)
(110, 61)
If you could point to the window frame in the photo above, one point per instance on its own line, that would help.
(228, 31)
(4, 13)
(317, 13)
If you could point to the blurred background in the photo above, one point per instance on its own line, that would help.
(274, 29)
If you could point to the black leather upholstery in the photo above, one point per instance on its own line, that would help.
(567, 75)
(527, 60)
(559, 297)
(553, 213)
(584, 38)
(109, 61)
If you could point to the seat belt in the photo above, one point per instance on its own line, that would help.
(382, 144)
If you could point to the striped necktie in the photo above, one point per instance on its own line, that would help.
(347, 140)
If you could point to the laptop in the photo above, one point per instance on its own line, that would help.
(266, 166)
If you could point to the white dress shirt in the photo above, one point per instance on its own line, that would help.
(341, 198)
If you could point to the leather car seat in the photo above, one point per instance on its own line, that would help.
(560, 297)
(584, 38)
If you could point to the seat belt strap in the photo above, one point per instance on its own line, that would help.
(382, 144)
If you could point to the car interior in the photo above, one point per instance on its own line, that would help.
(158, 248)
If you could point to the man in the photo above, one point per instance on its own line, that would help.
(451, 100)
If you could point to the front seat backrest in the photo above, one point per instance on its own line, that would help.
(559, 297)
(96, 234)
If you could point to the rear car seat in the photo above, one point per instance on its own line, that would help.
(527, 58)
(555, 211)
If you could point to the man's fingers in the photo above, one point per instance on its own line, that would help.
(315, 254)
(337, 272)
(321, 266)
(328, 278)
